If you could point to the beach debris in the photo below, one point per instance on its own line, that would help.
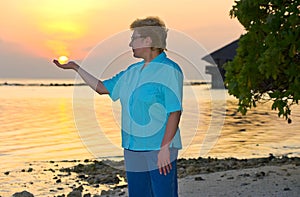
(106, 192)
(28, 170)
(50, 169)
(113, 192)
(75, 193)
(260, 174)
(245, 175)
(23, 194)
(97, 172)
(244, 184)
(199, 178)
(188, 167)
(89, 173)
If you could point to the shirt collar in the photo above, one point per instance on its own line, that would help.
(160, 57)
(157, 59)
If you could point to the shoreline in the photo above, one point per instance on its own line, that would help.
(278, 176)
(190, 83)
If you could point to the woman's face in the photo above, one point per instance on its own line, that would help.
(140, 45)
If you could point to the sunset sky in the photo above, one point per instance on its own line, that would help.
(34, 32)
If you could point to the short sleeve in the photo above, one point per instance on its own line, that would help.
(113, 86)
(173, 91)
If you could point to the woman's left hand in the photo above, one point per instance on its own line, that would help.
(163, 161)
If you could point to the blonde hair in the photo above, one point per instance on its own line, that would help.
(154, 28)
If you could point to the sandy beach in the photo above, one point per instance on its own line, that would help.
(271, 176)
(262, 181)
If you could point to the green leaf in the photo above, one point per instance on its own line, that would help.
(267, 60)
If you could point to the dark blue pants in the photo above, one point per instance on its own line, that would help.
(143, 177)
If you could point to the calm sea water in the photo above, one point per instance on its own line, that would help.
(41, 123)
(59, 123)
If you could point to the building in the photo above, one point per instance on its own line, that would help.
(218, 58)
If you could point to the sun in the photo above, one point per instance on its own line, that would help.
(63, 59)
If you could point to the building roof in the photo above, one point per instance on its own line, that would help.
(223, 54)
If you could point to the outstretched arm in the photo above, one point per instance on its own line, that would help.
(89, 79)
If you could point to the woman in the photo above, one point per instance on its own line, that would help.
(150, 93)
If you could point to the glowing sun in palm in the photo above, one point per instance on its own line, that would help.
(63, 59)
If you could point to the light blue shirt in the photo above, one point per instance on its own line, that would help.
(148, 95)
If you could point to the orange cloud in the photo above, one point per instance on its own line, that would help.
(49, 28)
(52, 28)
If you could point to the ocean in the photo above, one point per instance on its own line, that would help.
(57, 122)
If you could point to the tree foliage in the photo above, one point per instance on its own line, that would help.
(267, 64)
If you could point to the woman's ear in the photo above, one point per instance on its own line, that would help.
(148, 41)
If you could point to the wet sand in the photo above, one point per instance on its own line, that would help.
(270, 176)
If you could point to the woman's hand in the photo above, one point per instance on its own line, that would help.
(89, 79)
(69, 65)
(163, 161)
